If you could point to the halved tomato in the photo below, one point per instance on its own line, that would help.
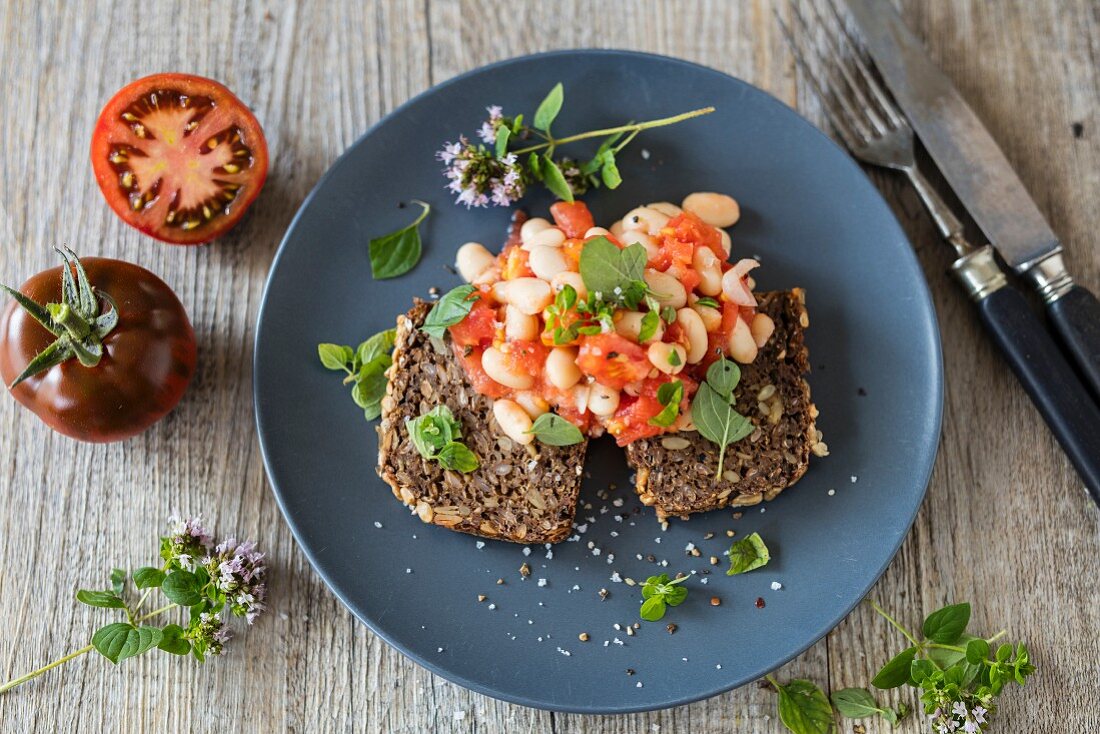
(612, 359)
(178, 157)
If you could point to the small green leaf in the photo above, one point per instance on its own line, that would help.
(105, 599)
(334, 356)
(803, 708)
(610, 172)
(553, 430)
(549, 108)
(122, 640)
(458, 457)
(668, 314)
(374, 347)
(433, 430)
(370, 385)
(946, 658)
(669, 394)
(1004, 652)
(653, 609)
(747, 554)
(708, 302)
(723, 376)
(172, 640)
(896, 672)
(555, 179)
(182, 587)
(501, 143)
(977, 651)
(946, 625)
(118, 580)
(604, 268)
(674, 596)
(650, 323)
(148, 577)
(454, 306)
(920, 669)
(856, 703)
(397, 253)
(534, 165)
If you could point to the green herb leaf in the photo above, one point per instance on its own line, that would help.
(610, 172)
(553, 430)
(433, 430)
(674, 596)
(708, 302)
(611, 272)
(946, 625)
(650, 322)
(669, 394)
(370, 385)
(397, 253)
(858, 703)
(534, 166)
(977, 651)
(723, 376)
(148, 577)
(182, 587)
(121, 640)
(374, 347)
(105, 599)
(946, 658)
(172, 640)
(747, 554)
(549, 108)
(803, 708)
(118, 580)
(896, 672)
(653, 609)
(454, 306)
(501, 143)
(555, 179)
(334, 356)
(457, 457)
(668, 314)
(717, 421)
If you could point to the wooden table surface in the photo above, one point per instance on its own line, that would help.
(1006, 523)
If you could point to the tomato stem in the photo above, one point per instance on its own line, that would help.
(77, 326)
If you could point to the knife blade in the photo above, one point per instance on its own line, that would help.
(981, 177)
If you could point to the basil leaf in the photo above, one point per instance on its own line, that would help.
(896, 672)
(456, 456)
(668, 313)
(653, 609)
(650, 322)
(334, 356)
(669, 395)
(555, 179)
(723, 376)
(553, 430)
(182, 587)
(747, 554)
(804, 709)
(501, 143)
(856, 703)
(172, 640)
(454, 306)
(609, 271)
(708, 302)
(379, 344)
(397, 253)
(148, 577)
(610, 172)
(946, 625)
(121, 640)
(549, 108)
(104, 599)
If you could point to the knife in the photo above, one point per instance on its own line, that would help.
(982, 178)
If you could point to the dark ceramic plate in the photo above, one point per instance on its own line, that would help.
(814, 220)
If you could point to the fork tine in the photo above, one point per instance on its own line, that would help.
(857, 121)
(837, 117)
(885, 103)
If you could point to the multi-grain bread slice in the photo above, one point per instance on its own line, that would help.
(526, 494)
(675, 473)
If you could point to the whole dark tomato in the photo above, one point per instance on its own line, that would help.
(179, 157)
(110, 353)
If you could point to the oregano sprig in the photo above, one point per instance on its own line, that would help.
(365, 367)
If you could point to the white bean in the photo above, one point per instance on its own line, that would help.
(519, 326)
(712, 317)
(632, 237)
(727, 243)
(717, 210)
(706, 264)
(472, 259)
(668, 358)
(617, 227)
(561, 368)
(532, 227)
(603, 400)
(695, 331)
(532, 404)
(529, 295)
(490, 276)
(572, 278)
(666, 289)
(580, 397)
(684, 422)
(546, 262)
(742, 347)
(629, 325)
(500, 369)
(549, 237)
(666, 207)
(513, 420)
(597, 232)
(762, 328)
(645, 219)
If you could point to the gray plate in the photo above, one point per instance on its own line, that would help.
(815, 221)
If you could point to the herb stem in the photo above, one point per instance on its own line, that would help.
(632, 128)
(940, 646)
(145, 596)
(155, 612)
(895, 624)
(60, 661)
(997, 636)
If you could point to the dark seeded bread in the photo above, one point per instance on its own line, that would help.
(676, 472)
(525, 494)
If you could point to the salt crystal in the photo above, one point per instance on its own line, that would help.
(638, 684)
(480, 544)
(854, 479)
(618, 502)
(645, 154)
(776, 586)
(616, 578)
(831, 492)
(439, 649)
(526, 551)
(408, 570)
(566, 653)
(377, 524)
(542, 582)
(614, 533)
(492, 606)
(718, 667)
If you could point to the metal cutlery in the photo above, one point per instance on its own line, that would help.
(875, 132)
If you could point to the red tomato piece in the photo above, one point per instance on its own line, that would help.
(690, 228)
(528, 356)
(612, 360)
(470, 357)
(572, 217)
(479, 328)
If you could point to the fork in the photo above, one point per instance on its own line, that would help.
(876, 133)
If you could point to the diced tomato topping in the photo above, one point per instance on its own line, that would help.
(672, 251)
(572, 217)
(513, 263)
(470, 357)
(479, 328)
(631, 420)
(529, 357)
(689, 228)
(612, 360)
(569, 412)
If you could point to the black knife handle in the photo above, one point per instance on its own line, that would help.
(1048, 379)
(1076, 318)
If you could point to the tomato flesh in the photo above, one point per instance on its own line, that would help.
(612, 359)
(572, 217)
(179, 157)
(478, 328)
